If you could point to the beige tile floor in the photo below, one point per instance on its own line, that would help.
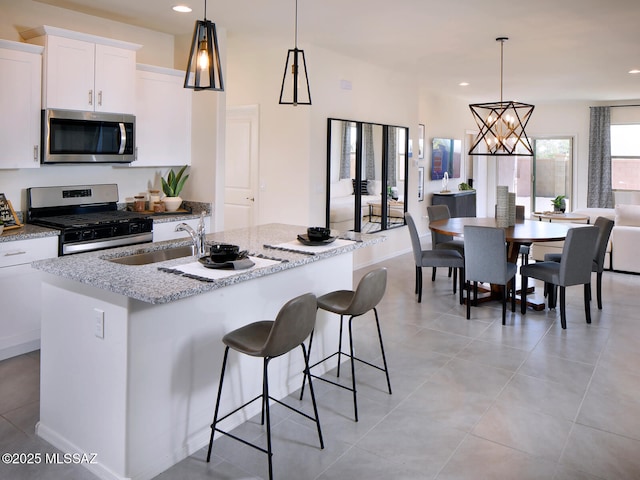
(472, 399)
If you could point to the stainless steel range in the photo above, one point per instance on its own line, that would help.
(87, 217)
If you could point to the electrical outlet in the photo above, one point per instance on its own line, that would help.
(98, 316)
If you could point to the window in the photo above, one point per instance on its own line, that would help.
(625, 157)
(537, 180)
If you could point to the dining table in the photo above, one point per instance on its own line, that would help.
(523, 232)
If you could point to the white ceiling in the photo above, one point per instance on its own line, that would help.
(558, 49)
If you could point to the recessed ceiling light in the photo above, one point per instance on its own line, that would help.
(635, 70)
(464, 84)
(181, 8)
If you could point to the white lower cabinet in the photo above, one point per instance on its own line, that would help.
(166, 230)
(20, 290)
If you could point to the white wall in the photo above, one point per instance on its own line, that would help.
(293, 139)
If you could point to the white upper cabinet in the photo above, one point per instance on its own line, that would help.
(163, 118)
(86, 72)
(20, 80)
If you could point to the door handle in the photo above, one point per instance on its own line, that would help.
(251, 199)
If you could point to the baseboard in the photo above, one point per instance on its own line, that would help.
(15, 350)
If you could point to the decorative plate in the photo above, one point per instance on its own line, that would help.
(304, 239)
(240, 263)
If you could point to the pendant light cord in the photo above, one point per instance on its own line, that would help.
(296, 31)
(205, 10)
(501, 40)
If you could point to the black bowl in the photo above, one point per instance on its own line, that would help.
(317, 234)
(224, 252)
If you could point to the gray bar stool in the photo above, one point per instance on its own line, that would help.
(270, 339)
(365, 298)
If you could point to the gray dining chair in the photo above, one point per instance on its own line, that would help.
(450, 258)
(525, 250)
(572, 270)
(485, 260)
(440, 241)
(605, 225)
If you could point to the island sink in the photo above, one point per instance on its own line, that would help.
(155, 256)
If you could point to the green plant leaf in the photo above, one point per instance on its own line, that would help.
(173, 185)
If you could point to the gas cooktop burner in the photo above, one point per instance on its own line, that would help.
(88, 219)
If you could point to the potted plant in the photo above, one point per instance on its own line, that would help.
(559, 204)
(172, 187)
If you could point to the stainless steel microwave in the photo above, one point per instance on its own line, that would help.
(70, 136)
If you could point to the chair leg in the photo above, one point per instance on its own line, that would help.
(505, 292)
(455, 279)
(308, 372)
(313, 396)
(599, 289)
(563, 313)
(215, 413)
(475, 294)
(513, 294)
(553, 295)
(433, 274)
(384, 358)
(461, 286)
(340, 346)
(265, 380)
(419, 292)
(587, 303)
(450, 270)
(523, 296)
(468, 299)
(353, 371)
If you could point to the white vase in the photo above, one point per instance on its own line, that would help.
(172, 203)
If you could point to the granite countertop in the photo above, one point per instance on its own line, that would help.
(27, 232)
(149, 284)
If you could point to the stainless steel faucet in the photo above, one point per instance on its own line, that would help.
(197, 235)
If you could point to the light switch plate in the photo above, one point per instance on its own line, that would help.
(98, 316)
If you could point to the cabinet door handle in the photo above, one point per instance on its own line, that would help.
(90, 97)
(100, 98)
(35, 153)
(13, 254)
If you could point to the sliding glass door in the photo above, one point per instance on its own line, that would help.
(539, 179)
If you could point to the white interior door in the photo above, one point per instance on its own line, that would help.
(241, 167)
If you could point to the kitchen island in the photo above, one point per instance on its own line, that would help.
(131, 354)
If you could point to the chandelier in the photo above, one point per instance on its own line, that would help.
(501, 124)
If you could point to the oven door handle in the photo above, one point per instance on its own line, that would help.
(123, 138)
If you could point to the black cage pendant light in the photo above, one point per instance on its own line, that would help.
(502, 123)
(203, 70)
(295, 82)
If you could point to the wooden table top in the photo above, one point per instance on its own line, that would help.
(524, 231)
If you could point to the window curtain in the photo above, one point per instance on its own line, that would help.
(599, 193)
(369, 154)
(345, 151)
(392, 156)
